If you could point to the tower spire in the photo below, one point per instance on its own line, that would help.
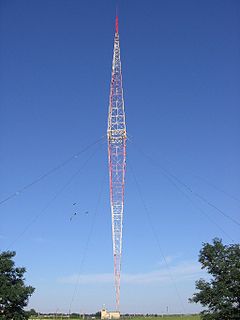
(116, 22)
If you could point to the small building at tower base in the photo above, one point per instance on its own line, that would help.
(105, 314)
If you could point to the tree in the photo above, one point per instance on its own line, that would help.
(98, 314)
(14, 293)
(32, 312)
(221, 295)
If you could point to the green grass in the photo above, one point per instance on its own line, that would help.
(195, 317)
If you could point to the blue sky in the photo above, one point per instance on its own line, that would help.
(181, 69)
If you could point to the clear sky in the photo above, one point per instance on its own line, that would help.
(181, 73)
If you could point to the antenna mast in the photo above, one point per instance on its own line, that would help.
(116, 158)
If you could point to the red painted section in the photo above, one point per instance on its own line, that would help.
(116, 24)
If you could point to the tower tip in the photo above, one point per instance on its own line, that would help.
(116, 23)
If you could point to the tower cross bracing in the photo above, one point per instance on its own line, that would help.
(117, 159)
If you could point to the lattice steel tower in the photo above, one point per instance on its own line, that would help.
(117, 159)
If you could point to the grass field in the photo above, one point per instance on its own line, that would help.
(195, 317)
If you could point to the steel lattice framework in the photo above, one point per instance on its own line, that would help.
(117, 159)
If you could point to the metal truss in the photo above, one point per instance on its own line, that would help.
(117, 159)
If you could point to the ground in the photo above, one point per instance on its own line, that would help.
(195, 317)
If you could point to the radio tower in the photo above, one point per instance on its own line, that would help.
(117, 159)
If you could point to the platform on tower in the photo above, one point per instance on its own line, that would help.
(105, 314)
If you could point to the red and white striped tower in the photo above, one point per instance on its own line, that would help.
(117, 159)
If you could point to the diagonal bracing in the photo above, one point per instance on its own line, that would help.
(117, 159)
